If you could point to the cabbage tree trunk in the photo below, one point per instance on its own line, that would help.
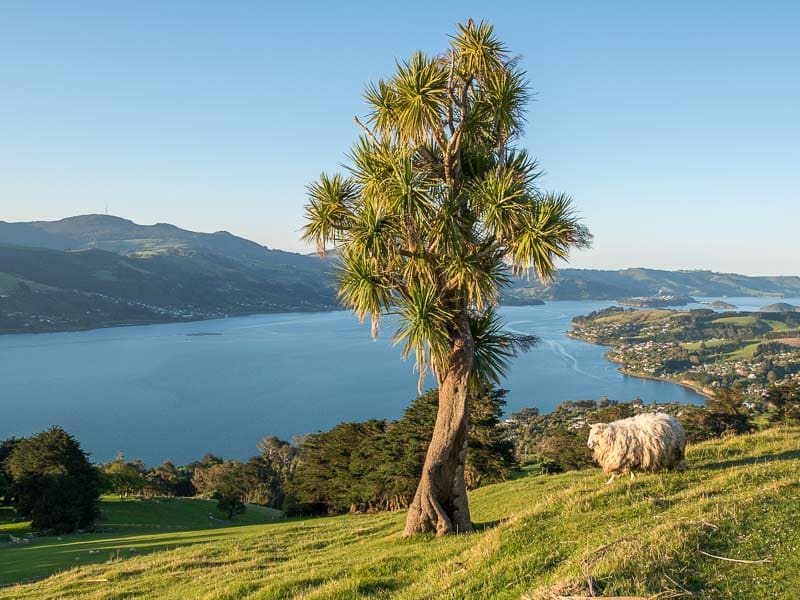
(440, 503)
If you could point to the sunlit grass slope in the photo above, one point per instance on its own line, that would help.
(145, 526)
(539, 537)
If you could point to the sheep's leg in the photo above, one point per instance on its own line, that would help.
(633, 475)
(611, 480)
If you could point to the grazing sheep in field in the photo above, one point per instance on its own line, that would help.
(646, 442)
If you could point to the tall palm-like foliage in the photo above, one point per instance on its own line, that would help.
(438, 210)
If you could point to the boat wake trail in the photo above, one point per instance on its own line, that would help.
(569, 359)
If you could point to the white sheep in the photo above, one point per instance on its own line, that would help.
(646, 442)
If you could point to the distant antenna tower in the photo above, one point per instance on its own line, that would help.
(106, 208)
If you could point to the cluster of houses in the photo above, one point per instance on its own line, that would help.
(614, 331)
(644, 357)
(752, 374)
(657, 348)
(165, 311)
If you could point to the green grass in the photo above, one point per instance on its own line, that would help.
(146, 525)
(538, 536)
(708, 344)
(778, 325)
(8, 283)
(8, 526)
(738, 321)
(744, 350)
(748, 350)
(648, 315)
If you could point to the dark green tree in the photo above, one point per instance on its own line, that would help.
(563, 449)
(784, 402)
(335, 470)
(377, 465)
(230, 490)
(6, 447)
(725, 413)
(54, 484)
(490, 453)
(231, 504)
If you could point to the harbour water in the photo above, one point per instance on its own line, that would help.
(173, 391)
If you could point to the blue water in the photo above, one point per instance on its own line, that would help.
(156, 392)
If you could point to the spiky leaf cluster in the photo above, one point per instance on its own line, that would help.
(438, 209)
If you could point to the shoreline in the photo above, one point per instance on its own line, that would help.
(317, 309)
(698, 390)
(173, 322)
(622, 369)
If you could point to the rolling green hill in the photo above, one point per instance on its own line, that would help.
(780, 307)
(53, 290)
(588, 284)
(98, 271)
(662, 535)
(146, 525)
(121, 236)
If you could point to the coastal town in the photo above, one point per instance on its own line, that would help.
(699, 348)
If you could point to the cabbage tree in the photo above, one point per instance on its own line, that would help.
(436, 212)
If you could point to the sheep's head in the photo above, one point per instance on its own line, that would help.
(596, 433)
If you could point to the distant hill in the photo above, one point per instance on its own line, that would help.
(780, 307)
(98, 270)
(113, 234)
(721, 304)
(53, 290)
(586, 284)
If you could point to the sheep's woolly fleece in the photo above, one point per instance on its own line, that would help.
(646, 442)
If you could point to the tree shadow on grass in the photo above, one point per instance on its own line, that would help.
(751, 460)
(47, 555)
(479, 527)
(373, 587)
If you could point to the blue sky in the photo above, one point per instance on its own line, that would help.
(674, 126)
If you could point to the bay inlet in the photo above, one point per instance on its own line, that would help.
(180, 390)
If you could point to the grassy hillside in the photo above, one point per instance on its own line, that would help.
(148, 526)
(121, 236)
(538, 537)
(53, 290)
(99, 271)
(590, 284)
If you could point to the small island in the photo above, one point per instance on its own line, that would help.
(720, 304)
(780, 307)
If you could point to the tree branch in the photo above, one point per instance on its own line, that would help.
(367, 130)
(454, 144)
(451, 93)
(440, 140)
